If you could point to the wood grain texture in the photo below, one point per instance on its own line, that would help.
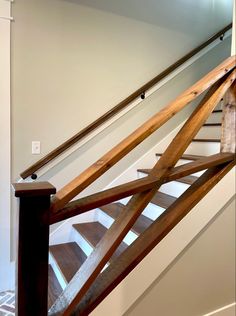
(228, 134)
(119, 107)
(186, 157)
(117, 271)
(69, 258)
(77, 185)
(111, 240)
(54, 288)
(114, 209)
(93, 232)
(161, 199)
(187, 179)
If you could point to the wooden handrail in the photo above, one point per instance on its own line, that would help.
(90, 270)
(119, 192)
(124, 147)
(119, 107)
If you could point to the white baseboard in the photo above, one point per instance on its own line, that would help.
(228, 310)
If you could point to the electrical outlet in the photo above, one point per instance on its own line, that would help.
(36, 147)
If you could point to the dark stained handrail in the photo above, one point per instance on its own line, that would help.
(118, 108)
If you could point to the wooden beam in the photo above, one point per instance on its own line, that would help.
(124, 147)
(89, 271)
(142, 246)
(124, 190)
(228, 132)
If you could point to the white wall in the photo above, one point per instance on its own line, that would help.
(5, 147)
(201, 280)
(71, 63)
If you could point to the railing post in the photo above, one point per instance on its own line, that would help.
(228, 133)
(33, 244)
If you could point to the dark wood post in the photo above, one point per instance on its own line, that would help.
(33, 244)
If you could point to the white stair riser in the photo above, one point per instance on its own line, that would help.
(153, 211)
(209, 132)
(62, 281)
(107, 221)
(203, 148)
(215, 118)
(173, 188)
(82, 243)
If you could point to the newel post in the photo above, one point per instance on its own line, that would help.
(33, 246)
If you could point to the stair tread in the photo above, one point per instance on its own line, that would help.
(206, 140)
(69, 258)
(54, 288)
(188, 157)
(163, 200)
(93, 233)
(114, 209)
(188, 179)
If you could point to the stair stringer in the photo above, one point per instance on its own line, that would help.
(155, 263)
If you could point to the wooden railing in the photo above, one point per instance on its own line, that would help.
(89, 286)
(119, 107)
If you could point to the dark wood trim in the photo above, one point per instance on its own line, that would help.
(119, 107)
(142, 246)
(212, 124)
(205, 140)
(33, 247)
(124, 190)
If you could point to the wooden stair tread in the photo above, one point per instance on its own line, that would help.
(93, 233)
(206, 140)
(54, 288)
(187, 179)
(69, 258)
(163, 200)
(114, 209)
(188, 157)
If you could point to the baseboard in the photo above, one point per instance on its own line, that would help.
(228, 310)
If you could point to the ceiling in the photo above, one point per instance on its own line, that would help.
(182, 15)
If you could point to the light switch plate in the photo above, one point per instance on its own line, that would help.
(36, 147)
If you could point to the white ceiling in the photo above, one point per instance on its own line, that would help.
(187, 16)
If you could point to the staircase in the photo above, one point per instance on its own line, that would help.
(133, 217)
(67, 258)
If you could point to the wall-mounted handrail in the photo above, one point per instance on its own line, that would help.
(118, 108)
